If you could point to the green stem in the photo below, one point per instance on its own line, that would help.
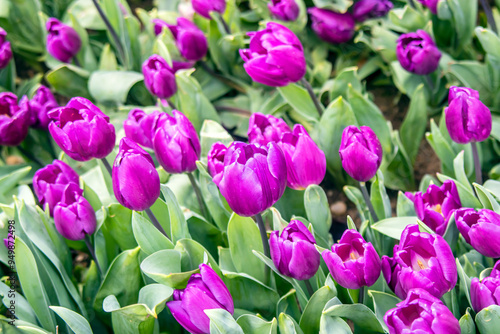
(224, 23)
(477, 163)
(412, 4)
(489, 15)
(107, 166)
(222, 78)
(92, 252)
(361, 296)
(155, 222)
(368, 201)
(263, 236)
(197, 192)
(315, 100)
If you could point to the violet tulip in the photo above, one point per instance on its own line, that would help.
(5, 49)
(421, 260)
(486, 292)
(431, 4)
(215, 159)
(284, 10)
(254, 177)
(480, 229)
(353, 262)
(82, 130)
(367, 9)
(140, 127)
(190, 40)
(436, 205)
(159, 77)
(42, 102)
(204, 7)
(204, 291)
(15, 119)
(63, 42)
(275, 57)
(293, 251)
(421, 312)
(263, 129)
(331, 26)
(417, 53)
(360, 152)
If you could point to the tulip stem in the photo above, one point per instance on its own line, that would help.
(477, 163)
(263, 234)
(92, 252)
(430, 82)
(222, 78)
(107, 166)
(77, 63)
(412, 4)
(316, 102)
(368, 201)
(224, 23)
(309, 288)
(361, 296)
(489, 15)
(198, 194)
(155, 222)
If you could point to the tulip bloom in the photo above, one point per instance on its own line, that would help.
(431, 4)
(204, 7)
(421, 312)
(140, 127)
(254, 177)
(42, 102)
(367, 9)
(5, 49)
(353, 262)
(360, 152)
(485, 293)
(293, 252)
(136, 182)
(63, 42)
(190, 40)
(284, 10)
(159, 77)
(421, 260)
(331, 26)
(14, 119)
(417, 53)
(82, 130)
(275, 57)
(263, 129)
(436, 205)
(204, 291)
(480, 229)
(215, 159)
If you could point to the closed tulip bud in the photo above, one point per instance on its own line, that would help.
(467, 118)
(190, 40)
(421, 312)
(63, 42)
(263, 129)
(431, 4)
(486, 292)
(360, 152)
(331, 26)
(480, 229)
(215, 159)
(293, 252)
(254, 177)
(42, 102)
(421, 260)
(140, 127)
(275, 57)
(305, 161)
(367, 9)
(159, 77)
(436, 205)
(204, 291)
(176, 144)
(5, 49)
(15, 119)
(73, 215)
(82, 130)
(417, 53)
(49, 183)
(204, 7)
(284, 10)
(353, 262)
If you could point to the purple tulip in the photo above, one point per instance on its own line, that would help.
(331, 26)
(159, 77)
(284, 10)
(204, 291)
(293, 252)
(42, 102)
(82, 130)
(436, 205)
(467, 118)
(275, 57)
(73, 215)
(263, 129)
(10, 237)
(15, 119)
(5, 49)
(480, 229)
(360, 152)
(367, 9)
(215, 159)
(353, 262)
(422, 313)
(417, 53)
(204, 7)
(254, 177)
(190, 40)
(50, 181)
(421, 260)
(431, 4)
(486, 292)
(63, 42)
(305, 161)
(176, 144)
(140, 127)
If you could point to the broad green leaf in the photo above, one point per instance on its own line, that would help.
(336, 5)
(393, 227)
(251, 324)
(405, 206)
(300, 101)
(193, 254)
(119, 224)
(467, 325)
(289, 304)
(336, 325)
(488, 320)
(221, 322)
(362, 317)
(288, 325)
(379, 198)
(165, 267)
(347, 79)
(135, 318)
(112, 86)
(464, 279)
(77, 323)
(459, 168)
(318, 209)
(486, 198)
(147, 235)
(383, 302)
(10, 180)
(212, 132)
(154, 297)
(310, 319)
(69, 81)
(24, 311)
(398, 169)
(466, 196)
(178, 225)
(408, 18)
(414, 124)
(464, 16)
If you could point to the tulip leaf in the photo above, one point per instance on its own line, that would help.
(355, 196)
(398, 170)
(382, 303)
(221, 322)
(154, 297)
(318, 209)
(467, 198)
(393, 227)
(193, 254)
(112, 86)
(300, 101)
(414, 124)
(251, 324)
(77, 323)
(278, 222)
(289, 304)
(336, 325)
(363, 318)
(486, 198)
(147, 236)
(165, 267)
(310, 319)
(464, 16)
(467, 325)
(335, 5)
(459, 169)
(379, 198)
(69, 80)
(345, 80)
(404, 206)
(474, 74)
(10, 180)
(178, 224)
(225, 260)
(488, 320)
(288, 325)
(465, 281)
(136, 318)
(409, 18)
(212, 132)
(24, 311)
(119, 226)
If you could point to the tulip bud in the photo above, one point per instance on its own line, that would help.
(436, 205)
(204, 7)
(263, 129)
(159, 77)
(305, 161)
(360, 152)
(431, 4)
(421, 260)
(353, 262)
(63, 42)
(275, 57)
(215, 159)
(14, 119)
(467, 118)
(204, 291)
(140, 127)
(73, 215)
(485, 293)
(293, 252)
(42, 102)
(82, 130)
(254, 177)
(367, 9)
(190, 40)
(331, 26)
(480, 229)
(417, 53)
(5, 49)
(176, 144)
(284, 10)
(421, 312)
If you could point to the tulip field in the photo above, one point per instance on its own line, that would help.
(250, 166)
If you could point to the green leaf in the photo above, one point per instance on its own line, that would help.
(464, 16)
(24, 311)
(154, 297)
(147, 235)
(414, 124)
(409, 18)
(465, 281)
(474, 74)
(11, 179)
(221, 322)
(288, 325)
(119, 224)
(165, 267)
(193, 254)
(107, 60)
(77, 323)
(136, 318)
(69, 81)
(318, 209)
(398, 169)
(459, 168)
(310, 319)
(467, 325)
(251, 324)
(112, 86)
(379, 198)
(393, 227)
(300, 101)
(333, 325)
(383, 302)
(178, 224)
(466, 196)
(405, 206)
(212, 132)
(488, 320)
(289, 304)
(362, 317)
(486, 198)
(347, 79)
(336, 5)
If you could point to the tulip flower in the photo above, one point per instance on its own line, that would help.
(5, 49)
(421, 312)
(215, 159)
(485, 293)
(204, 291)
(50, 182)
(159, 77)
(15, 119)
(284, 10)
(263, 129)
(293, 252)
(140, 127)
(480, 229)
(331, 26)
(353, 262)
(190, 40)
(63, 42)
(431, 4)
(436, 205)
(82, 130)
(275, 57)
(421, 260)
(417, 53)
(305, 161)
(42, 102)
(204, 7)
(367, 9)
